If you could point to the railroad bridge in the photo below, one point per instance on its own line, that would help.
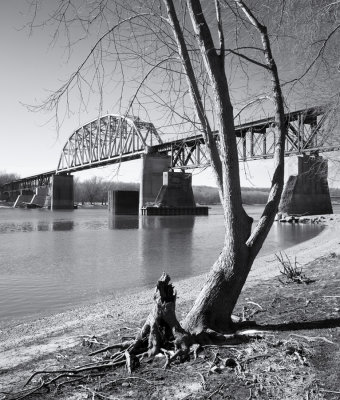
(114, 139)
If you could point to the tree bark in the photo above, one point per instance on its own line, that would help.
(215, 303)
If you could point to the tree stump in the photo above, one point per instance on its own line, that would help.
(161, 330)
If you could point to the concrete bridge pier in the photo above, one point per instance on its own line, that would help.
(153, 166)
(25, 196)
(123, 202)
(61, 192)
(12, 195)
(41, 197)
(176, 191)
(306, 191)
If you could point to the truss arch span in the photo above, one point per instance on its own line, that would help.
(109, 139)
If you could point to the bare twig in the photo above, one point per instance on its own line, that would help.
(291, 270)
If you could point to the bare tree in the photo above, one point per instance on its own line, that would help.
(179, 60)
(6, 177)
(92, 189)
(314, 71)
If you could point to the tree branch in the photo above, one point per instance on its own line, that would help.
(220, 29)
(143, 80)
(54, 99)
(195, 93)
(248, 59)
(320, 52)
(223, 110)
(263, 226)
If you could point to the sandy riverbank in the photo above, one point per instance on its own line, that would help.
(27, 346)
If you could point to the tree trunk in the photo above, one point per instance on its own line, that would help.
(215, 303)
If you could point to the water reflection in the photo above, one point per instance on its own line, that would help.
(13, 227)
(160, 222)
(123, 221)
(166, 244)
(43, 226)
(161, 244)
(286, 235)
(36, 226)
(62, 225)
(149, 222)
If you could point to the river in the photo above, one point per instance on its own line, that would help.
(51, 261)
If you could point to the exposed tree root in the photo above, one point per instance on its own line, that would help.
(161, 333)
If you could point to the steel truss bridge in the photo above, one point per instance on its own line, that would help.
(114, 138)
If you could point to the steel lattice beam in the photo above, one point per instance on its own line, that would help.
(28, 183)
(107, 140)
(257, 139)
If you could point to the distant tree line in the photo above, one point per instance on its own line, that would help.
(7, 177)
(206, 195)
(95, 189)
(209, 195)
(254, 195)
(335, 192)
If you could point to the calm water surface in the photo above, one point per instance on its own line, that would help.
(50, 261)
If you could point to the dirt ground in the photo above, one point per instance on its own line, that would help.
(294, 352)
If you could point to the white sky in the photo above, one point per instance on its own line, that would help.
(28, 143)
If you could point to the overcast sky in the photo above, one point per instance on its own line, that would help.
(29, 144)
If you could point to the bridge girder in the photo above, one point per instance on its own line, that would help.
(107, 140)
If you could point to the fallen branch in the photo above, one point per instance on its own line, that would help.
(313, 338)
(255, 304)
(128, 379)
(75, 371)
(91, 340)
(329, 391)
(122, 346)
(215, 392)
